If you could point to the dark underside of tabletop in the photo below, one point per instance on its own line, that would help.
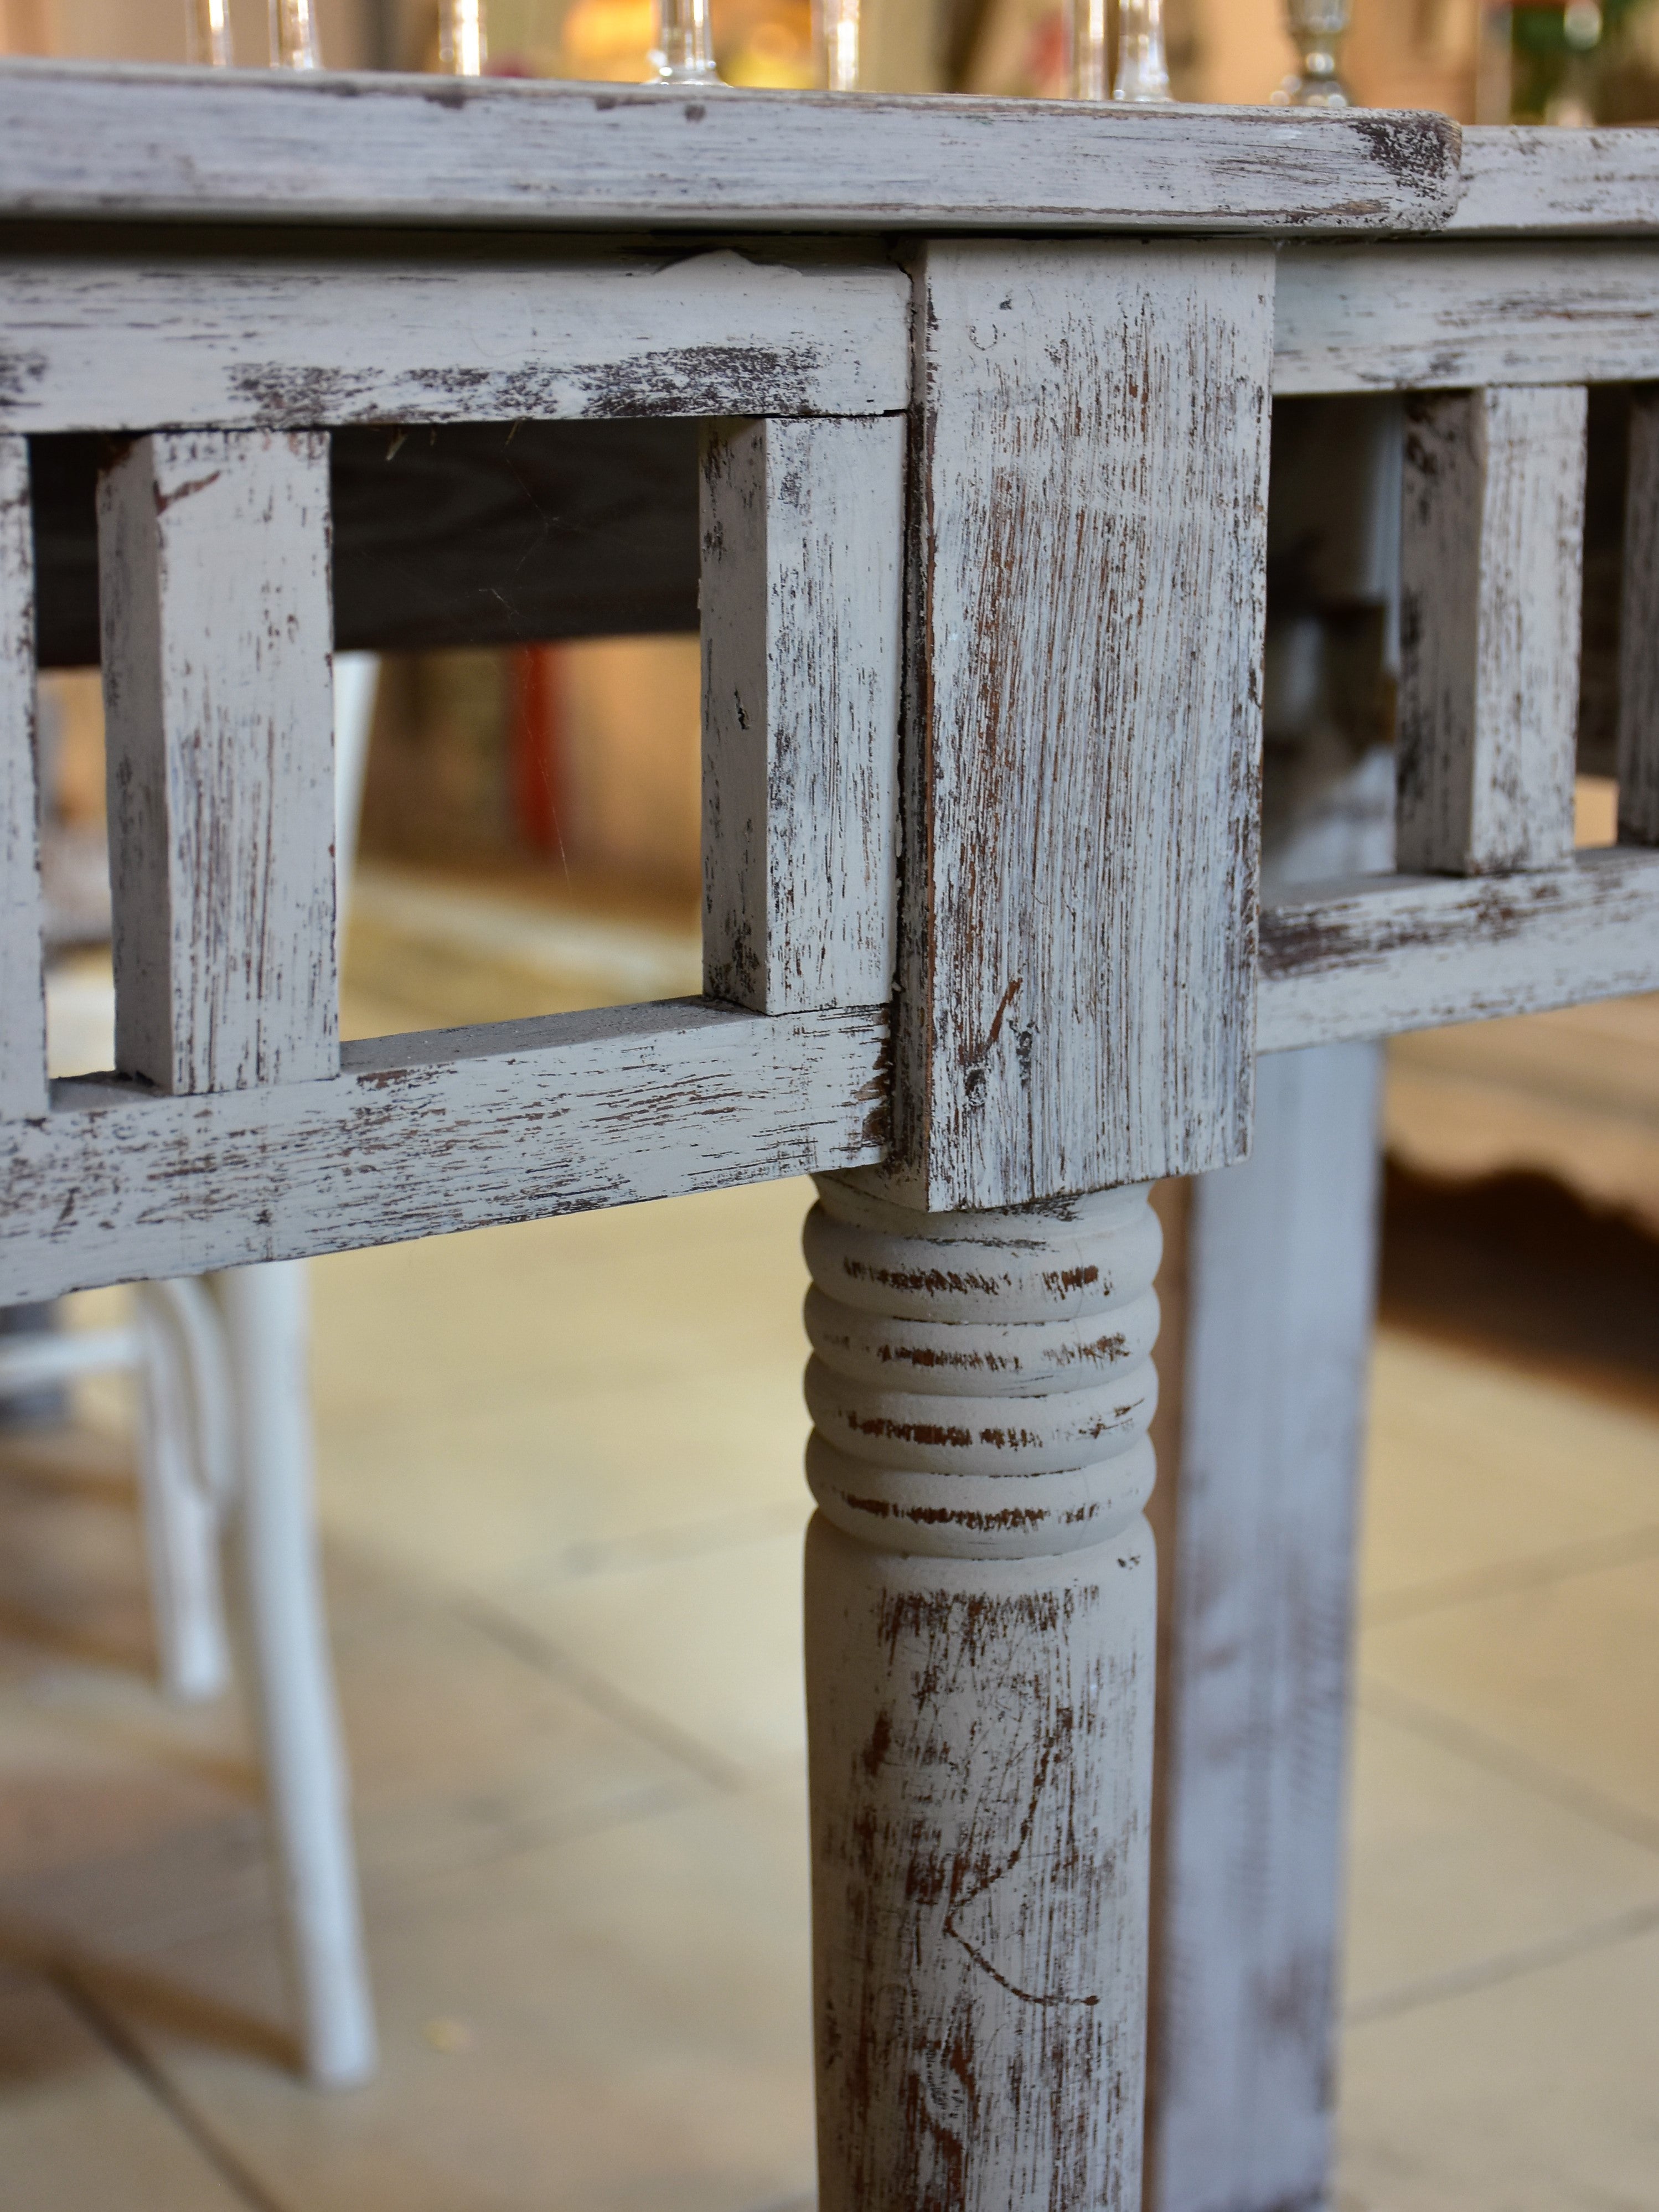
(487, 533)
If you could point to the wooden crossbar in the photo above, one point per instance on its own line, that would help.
(1382, 954)
(227, 338)
(420, 1135)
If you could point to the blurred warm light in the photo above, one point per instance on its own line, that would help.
(608, 40)
(1023, 50)
(463, 49)
(24, 29)
(757, 42)
(767, 42)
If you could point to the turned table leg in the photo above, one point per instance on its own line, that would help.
(980, 1618)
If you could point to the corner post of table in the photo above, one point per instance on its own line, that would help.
(1075, 1019)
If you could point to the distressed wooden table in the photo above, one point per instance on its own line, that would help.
(985, 392)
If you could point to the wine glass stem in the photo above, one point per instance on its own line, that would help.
(685, 49)
(463, 41)
(293, 43)
(1090, 53)
(1143, 71)
(209, 33)
(838, 43)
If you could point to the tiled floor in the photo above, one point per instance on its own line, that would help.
(1502, 2052)
(559, 1483)
(559, 1489)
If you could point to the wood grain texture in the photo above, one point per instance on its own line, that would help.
(420, 1135)
(1421, 316)
(1280, 1269)
(1638, 633)
(23, 952)
(127, 142)
(213, 559)
(1270, 1277)
(1379, 955)
(981, 1384)
(1491, 568)
(1538, 179)
(1078, 917)
(803, 533)
(104, 341)
(980, 1727)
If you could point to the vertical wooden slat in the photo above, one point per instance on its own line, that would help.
(1491, 564)
(213, 562)
(1267, 1350)
(802, 543)
(1281, 1262)
(22, 979)
(1638, 634)
(1078, 937)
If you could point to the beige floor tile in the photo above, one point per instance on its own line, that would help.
(93, 1766)
(1476, 1468)
(711, 1643)
(522, 1402)
(1534, 2095)
(93, 1762)
(78, 2133)
(1454, 1869)
(121, 1814)
(601, 1297)
(1564, 1674)
(460, 1748)
(543, 1486)
(613, 2024)
(72, 1588)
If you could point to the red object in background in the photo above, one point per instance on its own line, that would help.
(537, 753)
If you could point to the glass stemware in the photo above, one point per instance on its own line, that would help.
(1318, 28)
(1143, 70)
(835, 36)
(293, 41)
(209, 33)
(1091, 52)
(463, 38)
(684, 53)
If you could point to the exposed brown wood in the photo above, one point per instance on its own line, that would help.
(1534, 179)
(275, 147)
(802, 531)
(420, 1135)
(979, 1591)
(1444, 315)
(218, 692)
(1380, 954)
(1492, 563)
(111, 341)
(1088, 519)
(22, 976)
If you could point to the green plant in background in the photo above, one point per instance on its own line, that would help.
(1588, 61)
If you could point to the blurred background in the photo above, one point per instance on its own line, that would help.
(560, 1464)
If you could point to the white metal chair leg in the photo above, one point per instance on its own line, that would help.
(275, 1559)
(183, 1449)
